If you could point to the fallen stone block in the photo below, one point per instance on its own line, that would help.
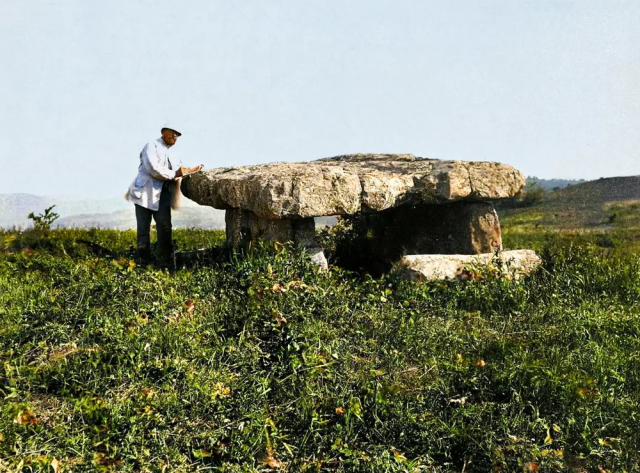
(507, 264)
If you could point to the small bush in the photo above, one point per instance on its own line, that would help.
(43, 222)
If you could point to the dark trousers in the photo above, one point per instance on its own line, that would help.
(162, 217)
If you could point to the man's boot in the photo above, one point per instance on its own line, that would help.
(144, 256)
(167, 260)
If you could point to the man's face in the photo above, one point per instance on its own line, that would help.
(169, 136)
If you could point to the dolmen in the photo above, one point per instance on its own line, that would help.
(402, 204)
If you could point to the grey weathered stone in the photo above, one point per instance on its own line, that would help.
(451, 228)
(507, 264)
(382, 238)
(405, 205)
(318, 258)
(345, 185)
(244, 226)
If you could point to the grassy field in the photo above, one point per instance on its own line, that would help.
(261, 363)
(605, 212)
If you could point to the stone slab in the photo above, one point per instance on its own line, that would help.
(345, 185)
(452, 228)
(380, 239)
(244, 227)
(507, 264)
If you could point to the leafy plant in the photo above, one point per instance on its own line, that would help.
(43, 222)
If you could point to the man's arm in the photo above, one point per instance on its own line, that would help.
(155, 166)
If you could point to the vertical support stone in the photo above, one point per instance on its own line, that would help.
(244, 226)
(485, 234)
(233, 224)
(463, 227)
(304, 235)
(466, 228)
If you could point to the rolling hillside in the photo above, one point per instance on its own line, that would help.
(602, 190)
(601, 205)
(14, 208)
(186, 217)
(112, 212)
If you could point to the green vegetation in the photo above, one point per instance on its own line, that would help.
(590, 206)
(616, 227)
(261, 363)
(44, 220)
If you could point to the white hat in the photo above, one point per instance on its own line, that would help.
(169, 126)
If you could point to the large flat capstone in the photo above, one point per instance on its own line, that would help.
(345, 185)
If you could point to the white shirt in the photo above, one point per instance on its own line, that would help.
(155, 168)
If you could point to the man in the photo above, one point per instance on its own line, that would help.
(151, 193)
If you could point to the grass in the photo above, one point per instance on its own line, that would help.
(616, 227)
(261, 363)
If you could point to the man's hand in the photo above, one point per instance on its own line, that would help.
(182, 171)
(194, 169)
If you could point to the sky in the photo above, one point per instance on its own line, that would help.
(550, 87)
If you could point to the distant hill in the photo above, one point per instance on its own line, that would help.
(553, 184)
(601, 190)
(14, 208)
(588, 205)
(188, 217)
(113, 212)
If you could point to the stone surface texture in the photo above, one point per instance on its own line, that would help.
(507, 264)
(451, 228)
(243, 227)
(461, 227)
(345, 185)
